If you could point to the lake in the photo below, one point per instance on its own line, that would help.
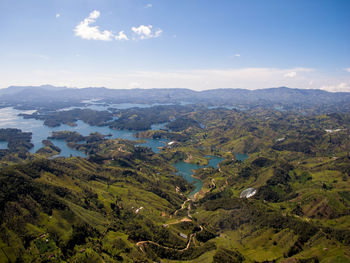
(241, 156)
(186, 171)
(3, 145)
(105, 106)
(10, 119)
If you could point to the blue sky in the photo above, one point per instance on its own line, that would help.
(197, 44)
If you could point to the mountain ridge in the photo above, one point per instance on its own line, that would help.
(288, 98)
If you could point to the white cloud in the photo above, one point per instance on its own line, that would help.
(347, 69)
(145, 32)
(292, 74)
(148, 5)
(158, 33)
(58, 15)
(94, 14)
(121, 36)
(85, 31)
(237, 55)
(337, 87)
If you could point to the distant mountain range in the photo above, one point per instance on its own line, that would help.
(277, 97)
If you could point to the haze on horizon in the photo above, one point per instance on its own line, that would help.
(195, 44)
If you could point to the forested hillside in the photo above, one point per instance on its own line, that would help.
(125, 203)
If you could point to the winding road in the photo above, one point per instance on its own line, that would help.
(140, 244)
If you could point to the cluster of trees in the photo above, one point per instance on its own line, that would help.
(56, 118)
(183, 123)
(68, 136)
(172, 136)
(49, 148)
(18, 142)
(143, 118)
(223, 255)
(277, 188)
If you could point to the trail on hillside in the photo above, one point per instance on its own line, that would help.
(140, 244)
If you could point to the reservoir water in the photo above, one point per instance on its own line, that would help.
(105, 106)
(186, 171)
(3, 145)
(10, 119)
(241, 156)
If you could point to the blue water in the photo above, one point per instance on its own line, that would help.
(3, 145)
(159, 126)
(186, 171)
(10, 119)
(154, 144)
(65, 150)
(227, 107)
(221, 107)
(213, 161)
(104, 106)
(241, 156)
(122, 106)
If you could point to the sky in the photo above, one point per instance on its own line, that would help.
(194, 44)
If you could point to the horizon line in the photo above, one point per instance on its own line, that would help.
(103, 87)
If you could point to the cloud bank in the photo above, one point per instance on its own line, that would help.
(340, 87)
